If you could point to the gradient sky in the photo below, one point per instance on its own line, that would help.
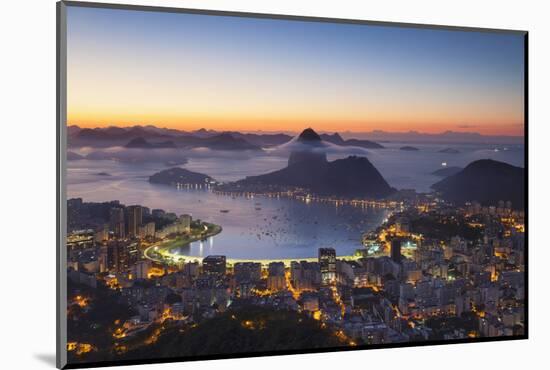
(227, 73)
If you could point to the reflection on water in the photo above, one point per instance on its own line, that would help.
(258, 227)
(279, 227)
(263, 227)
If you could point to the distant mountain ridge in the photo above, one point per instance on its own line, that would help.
(334, 138)
(338, 140)
(226, 141)
(120, 136)
(264, 139)
(153, 137)
(450, 137)
(140, 142)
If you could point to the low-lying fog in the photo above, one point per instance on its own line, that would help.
(402, 169)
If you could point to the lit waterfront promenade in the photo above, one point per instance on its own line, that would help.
(169, 258)
(160, 252)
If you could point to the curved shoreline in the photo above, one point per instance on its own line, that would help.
(159, 247)
(168, 258)
(173, 259)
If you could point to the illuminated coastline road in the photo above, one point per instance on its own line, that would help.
(161, 252)
(163, 255)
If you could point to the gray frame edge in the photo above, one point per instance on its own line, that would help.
(61, 194)
(286, 17)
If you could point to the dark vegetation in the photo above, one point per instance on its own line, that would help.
(435, 227)
(442, 325)
(251, 329)
(95, 323)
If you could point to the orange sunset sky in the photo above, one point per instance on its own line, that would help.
(227, 73)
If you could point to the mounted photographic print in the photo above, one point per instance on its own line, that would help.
(235, 185)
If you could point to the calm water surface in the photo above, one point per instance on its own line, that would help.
(262, 227)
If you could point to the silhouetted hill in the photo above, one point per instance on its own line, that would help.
(140, 142)
(202, 132)
(311, 149)
(119, 131)
(309, 136)
(486, 181)
(93, 134)
(308, 168)
(449, 151)
(409, 148)
(311, 157)
(264, 140)
(354, 176)
(117, 136)
(447, 171)
(333, 138)
(363, 144)
(259, 140)
(349, 177)
(227, 141)
(73, 130)
(176, 175)
(338, 140)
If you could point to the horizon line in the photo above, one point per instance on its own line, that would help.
(372, 131)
